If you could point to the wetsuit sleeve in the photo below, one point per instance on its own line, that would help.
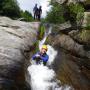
(34, 56)
(45, 59)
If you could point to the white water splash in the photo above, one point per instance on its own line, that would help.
(45, 37)
(42, 77)
(52, 54)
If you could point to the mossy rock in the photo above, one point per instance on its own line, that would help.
(36, 46)
(41, 32)
(87, 2)
(85, 36)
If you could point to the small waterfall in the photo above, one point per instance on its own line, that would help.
(42, 77)
(45, 37)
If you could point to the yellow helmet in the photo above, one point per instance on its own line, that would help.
(45, 47)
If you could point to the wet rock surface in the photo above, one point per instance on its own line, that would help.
(72, 64)
(16, 38)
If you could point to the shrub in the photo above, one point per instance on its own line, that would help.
(27, 16)
(56, 14)
(76, 13)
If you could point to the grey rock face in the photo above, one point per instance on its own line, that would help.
(66, 42)
(72, 63)
(16, 38)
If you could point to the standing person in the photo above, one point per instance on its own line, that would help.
(41, 56)
(35, 10)
(39, 12)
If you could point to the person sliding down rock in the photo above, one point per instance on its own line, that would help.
(41, 56)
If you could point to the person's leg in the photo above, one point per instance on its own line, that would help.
(38, 61)
(34, 16)
(39, 17)
(44, 63)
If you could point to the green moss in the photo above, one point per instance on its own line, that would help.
(36, 46)
(47, 40)
(88, 23)
(41, 32)
(40, 36)
(87, 27)
(87, 2)
(85, 35)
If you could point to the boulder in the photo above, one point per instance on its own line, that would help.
(82, 37)
(72, 63)
(66, 42)
(16, 39)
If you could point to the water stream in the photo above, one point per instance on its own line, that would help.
(44, 77)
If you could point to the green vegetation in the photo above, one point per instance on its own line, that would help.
(85, 35)
(40, 36)
(87, 27)
(41, 32)
(61, 13)
(9, 8)
(76, 12)
(36, 46)
(87, 2)
(27, 16)
(56, 14)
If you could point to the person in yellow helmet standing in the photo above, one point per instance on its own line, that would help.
(41, 55)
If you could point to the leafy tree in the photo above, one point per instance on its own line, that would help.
(76, 13)
(56, 14)
(61, 13)
(9, 8)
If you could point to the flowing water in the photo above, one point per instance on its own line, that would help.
(44, 77)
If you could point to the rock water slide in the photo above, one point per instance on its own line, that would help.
(44, 77)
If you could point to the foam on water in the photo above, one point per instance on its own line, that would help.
(41, 77)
